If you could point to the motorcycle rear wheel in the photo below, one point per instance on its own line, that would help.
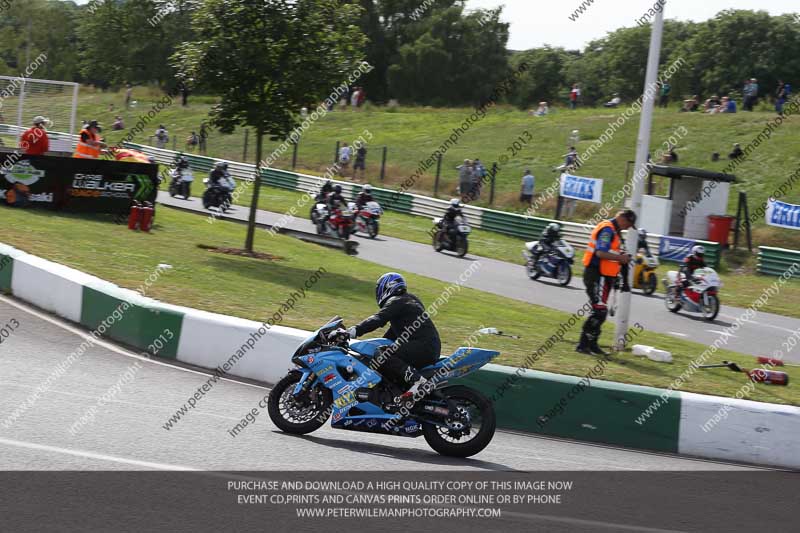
(310, 417)
(448, 441)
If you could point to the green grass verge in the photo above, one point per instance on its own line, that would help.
(255, 289)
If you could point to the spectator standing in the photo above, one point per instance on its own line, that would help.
(34, 141)
(479, 173)
(574, 94)
(750, 94)
(192, 141)
(465, 179)
(354, 98)
(362, 96)
(162, 137)
(345, 153)
(203, 137)
(361, 161)
(526, 191)
(666, 89)
(782, 95)
(128, 95)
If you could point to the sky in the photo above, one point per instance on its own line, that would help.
(535, 23)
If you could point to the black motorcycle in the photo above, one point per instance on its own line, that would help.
(218, 195)
(454, 240)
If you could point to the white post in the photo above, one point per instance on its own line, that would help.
(20, 103)
(642, 167)
(72, 115)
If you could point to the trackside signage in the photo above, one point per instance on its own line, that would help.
(783, 215)
(675, 248)
(578, 188)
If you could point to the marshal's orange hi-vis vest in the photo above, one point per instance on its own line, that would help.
(608, 268)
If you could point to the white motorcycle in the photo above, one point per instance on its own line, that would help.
(700, 296)
(367, 218)
(557, 263)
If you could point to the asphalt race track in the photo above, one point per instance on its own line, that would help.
(761, 336)
(128, 434)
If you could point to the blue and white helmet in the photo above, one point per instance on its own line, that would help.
(390, 284)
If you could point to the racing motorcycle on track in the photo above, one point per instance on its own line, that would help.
(700, 296)
(454, 241)
(556, 263)
(337, 225)
(219, 196)
(367, 219)
(333, 379)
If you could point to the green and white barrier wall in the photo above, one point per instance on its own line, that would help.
(602, 411)
(777, 261)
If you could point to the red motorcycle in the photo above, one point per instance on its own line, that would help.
(339, 224)
(367, 218)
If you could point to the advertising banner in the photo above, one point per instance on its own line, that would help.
(675, 248)
(89, 186)
(586, 189)
(783, 215)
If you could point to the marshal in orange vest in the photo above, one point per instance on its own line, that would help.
(85, 150)
(608, 268)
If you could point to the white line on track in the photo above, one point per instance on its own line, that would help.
(677, 334)
(105, 344)
(787, 330)
(92, 455)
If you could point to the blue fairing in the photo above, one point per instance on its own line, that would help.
(329, 368)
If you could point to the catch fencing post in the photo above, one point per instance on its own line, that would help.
(438, 174)
(246, 138)
(383, 163)
(294, 155)
(493, 176)
(336, 153)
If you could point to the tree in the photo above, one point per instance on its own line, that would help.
(266, 59)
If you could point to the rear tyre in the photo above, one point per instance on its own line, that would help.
(460, 439)
(298, 415)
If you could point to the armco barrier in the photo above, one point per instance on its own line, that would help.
(777, 261)
(603, 412)
(502, 222)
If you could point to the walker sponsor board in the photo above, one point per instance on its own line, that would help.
(578, 188)
(83, 185)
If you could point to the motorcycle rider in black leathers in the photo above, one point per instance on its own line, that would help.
(550, 235)
(449, 220)
(416, 340)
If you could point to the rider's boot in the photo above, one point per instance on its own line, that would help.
(584, 346)
(416, 382)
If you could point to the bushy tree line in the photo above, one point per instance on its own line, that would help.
(429, 52)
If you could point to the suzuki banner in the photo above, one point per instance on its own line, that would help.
(586, 189)
(84, 185)
(675, 248)
(782, 214)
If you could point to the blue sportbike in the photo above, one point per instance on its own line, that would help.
(333, 379)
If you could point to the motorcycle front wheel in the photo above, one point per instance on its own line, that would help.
(470, 432)
(533, 272)
(564, 274)
(672, 301)
(298, 415)
(462, 246)
(372, 229)
(650, 285)
(711, 310)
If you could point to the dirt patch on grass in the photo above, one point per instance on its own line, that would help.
(239, 252)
